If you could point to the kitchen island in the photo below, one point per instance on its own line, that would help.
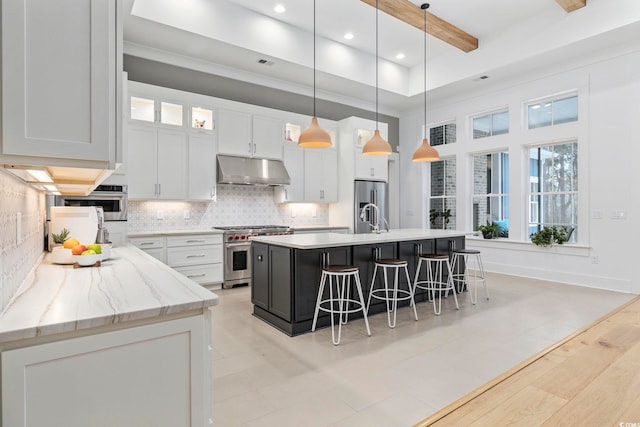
(286, 269)
(125, 343)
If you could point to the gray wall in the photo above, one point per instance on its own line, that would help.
(166, 75)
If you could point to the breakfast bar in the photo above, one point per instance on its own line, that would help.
(287, 269)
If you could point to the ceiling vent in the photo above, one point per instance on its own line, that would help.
(265, 62)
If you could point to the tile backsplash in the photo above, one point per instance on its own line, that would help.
(235, 205)
(20, 247)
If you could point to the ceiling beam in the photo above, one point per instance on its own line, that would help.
(412, 14)
(571, 5)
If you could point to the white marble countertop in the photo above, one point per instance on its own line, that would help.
(318, 227)
(175, 232)
(131, 285)
(328, 240)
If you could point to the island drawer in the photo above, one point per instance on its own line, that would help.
(182, 256)
(194, 240)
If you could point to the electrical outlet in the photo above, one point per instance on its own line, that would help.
(594, 259)
(159, 215)
(293, 212)
(314, 212)
(186, 215)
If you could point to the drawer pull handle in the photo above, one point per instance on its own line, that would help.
(196, 241)
(195, 256)
(195, 275)
(146, 243)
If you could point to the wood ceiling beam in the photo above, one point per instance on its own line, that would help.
(571, 5)
(410, 13)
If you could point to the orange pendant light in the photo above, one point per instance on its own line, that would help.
(314, 136)
(376, 146)
(425, 153)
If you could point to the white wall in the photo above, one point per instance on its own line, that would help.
(607, 133)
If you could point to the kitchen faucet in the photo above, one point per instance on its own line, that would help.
(375, 227)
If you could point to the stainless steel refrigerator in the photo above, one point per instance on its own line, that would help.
(370, 192)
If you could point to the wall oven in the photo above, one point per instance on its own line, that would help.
(237, 251)
(112, 199)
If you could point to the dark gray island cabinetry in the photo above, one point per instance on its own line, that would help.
(287, 269)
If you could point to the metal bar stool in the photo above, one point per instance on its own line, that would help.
(435, 266)
(340, 303)
(390, 295)
(465, 260)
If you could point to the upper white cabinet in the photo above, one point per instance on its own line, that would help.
(244, 134)
(201, 169)
(62, 83)
(294, 163)
(321, 175)
(143, 109)
(160, 159)
(373, 168)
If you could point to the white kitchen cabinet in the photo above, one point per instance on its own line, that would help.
(153, 245)
(372, 168)
(198, 257)
(156, 374)
(144, 109)
(201, 169)
(293, 160)
(321, 175)
(160, 159)
(244, 134)
(62, 83)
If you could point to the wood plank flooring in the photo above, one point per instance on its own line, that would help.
(591, 378)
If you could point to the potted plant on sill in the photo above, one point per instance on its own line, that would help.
(550, 235)
(489, 231)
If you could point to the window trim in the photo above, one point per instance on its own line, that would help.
(506, 176)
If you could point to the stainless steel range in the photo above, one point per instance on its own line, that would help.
(237, 250)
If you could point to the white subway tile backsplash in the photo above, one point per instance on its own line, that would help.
(235, 205)
(17, 260)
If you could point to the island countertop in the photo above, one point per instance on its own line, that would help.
(131, 285)
(326, 240)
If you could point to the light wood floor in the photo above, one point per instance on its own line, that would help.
(592, 378)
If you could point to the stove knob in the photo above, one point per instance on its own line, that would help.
(243, 237)
(230, 237)
(236, 237)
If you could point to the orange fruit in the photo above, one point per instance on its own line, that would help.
(71, 243)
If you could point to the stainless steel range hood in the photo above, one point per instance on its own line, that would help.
(251, 171)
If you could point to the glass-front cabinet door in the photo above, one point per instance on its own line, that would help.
(153, 111)
(201, 118)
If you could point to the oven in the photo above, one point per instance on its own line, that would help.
(111, 198)
(237, 251)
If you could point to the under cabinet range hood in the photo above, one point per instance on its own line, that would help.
(251, 171)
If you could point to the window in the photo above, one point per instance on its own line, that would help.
(553, 112)
(442, 203)
(491, 124)
(442, 134)
(491, 191)
(553, 180)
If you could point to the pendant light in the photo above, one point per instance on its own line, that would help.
(314, 136)
(376, 146)
(425, 153)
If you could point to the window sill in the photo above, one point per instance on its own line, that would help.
(508, 244)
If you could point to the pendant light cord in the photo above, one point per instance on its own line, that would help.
(377, 89)
(314, 58)
(425, 7)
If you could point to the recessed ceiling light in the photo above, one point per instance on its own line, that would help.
(348, 36)
(279, 8)
(400, 56)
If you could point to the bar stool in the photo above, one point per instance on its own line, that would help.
(390, 295)
(435, 266)
(339, 304)
(463, 259)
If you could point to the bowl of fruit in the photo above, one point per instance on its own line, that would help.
(88, 255)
